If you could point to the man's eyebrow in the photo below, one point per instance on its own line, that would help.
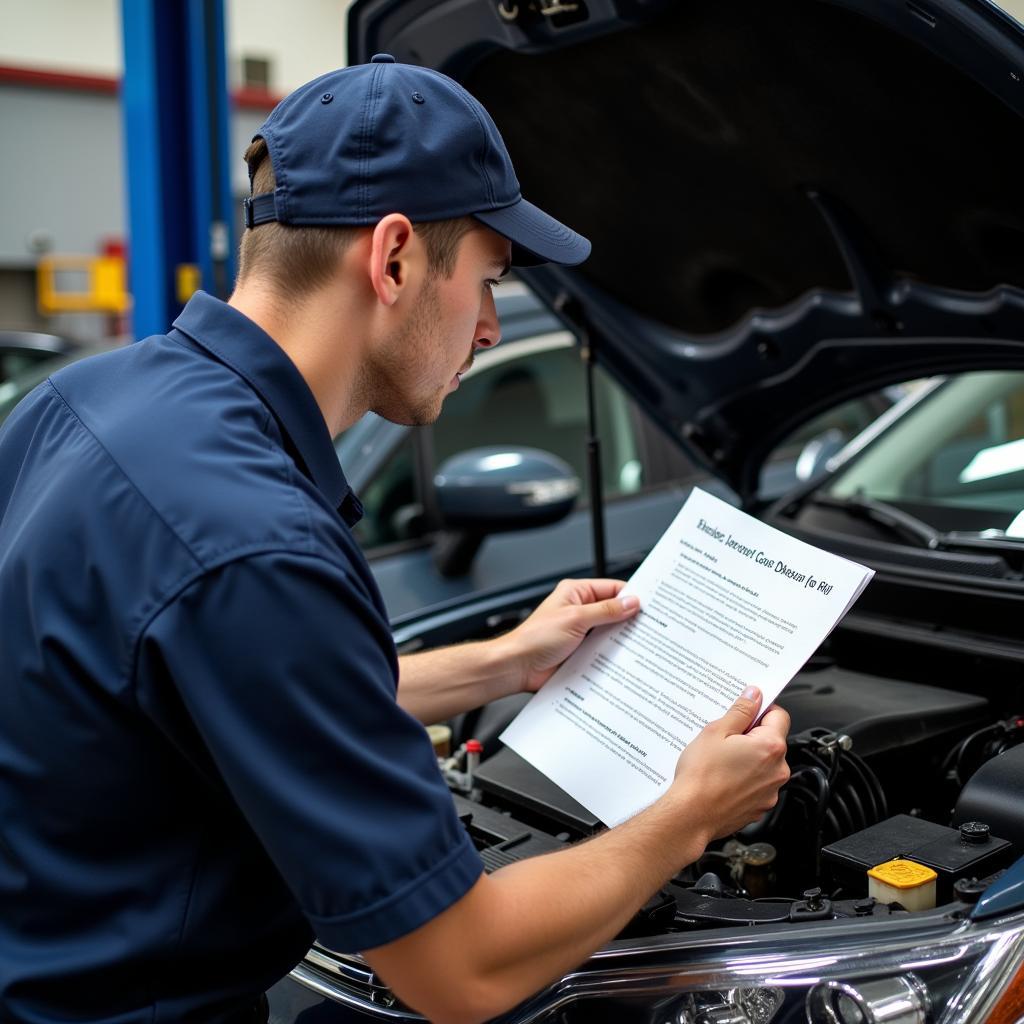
(505, 264)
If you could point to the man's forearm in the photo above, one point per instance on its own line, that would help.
(557, 909)
(436, 685)
(523, 926)
(543, 915)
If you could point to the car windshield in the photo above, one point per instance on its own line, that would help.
(1014, 8)
(953, 461)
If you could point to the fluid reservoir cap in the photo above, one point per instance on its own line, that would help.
(902, 874)
(441, 737)
(975, 832)
(759, 854)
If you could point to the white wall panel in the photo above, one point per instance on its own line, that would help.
(82, 36)
(302, 39)
(63, 170)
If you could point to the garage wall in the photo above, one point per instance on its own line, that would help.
(63, 160)
(63, 172)
(302, 38)
(82, 36)
(308, 41)
(64, 189)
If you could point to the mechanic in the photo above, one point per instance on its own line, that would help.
(203, 763)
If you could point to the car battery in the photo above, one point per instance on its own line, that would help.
(968, 852)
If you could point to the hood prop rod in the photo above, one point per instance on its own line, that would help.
(573, 312)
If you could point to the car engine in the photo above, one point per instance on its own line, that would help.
(882, 770)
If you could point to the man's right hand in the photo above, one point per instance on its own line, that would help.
(733, 773)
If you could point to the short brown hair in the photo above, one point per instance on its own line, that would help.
(300, 259)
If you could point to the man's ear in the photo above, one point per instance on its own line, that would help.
(396, 257)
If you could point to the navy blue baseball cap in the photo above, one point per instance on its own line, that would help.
(357, 144)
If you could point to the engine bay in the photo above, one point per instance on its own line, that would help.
(884, 771)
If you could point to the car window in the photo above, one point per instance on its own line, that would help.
(959, 452)
(1014, 8)
(14, 390)
(537, 398)
(804, 454)
(15, 362)
(531, 393)
(391, 508)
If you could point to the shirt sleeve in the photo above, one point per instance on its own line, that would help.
(288, 672)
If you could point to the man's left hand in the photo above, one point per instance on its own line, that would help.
(559, 624)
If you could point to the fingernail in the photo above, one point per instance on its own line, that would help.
(630, 603)
(751, 693)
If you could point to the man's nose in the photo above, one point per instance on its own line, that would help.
(488, 328)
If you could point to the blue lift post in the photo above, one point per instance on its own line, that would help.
(176, 128)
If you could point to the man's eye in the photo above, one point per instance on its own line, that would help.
(491, 283)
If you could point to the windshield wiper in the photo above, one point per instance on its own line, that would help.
(903, 524)
(910, 528)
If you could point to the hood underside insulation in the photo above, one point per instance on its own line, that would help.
(685, 149)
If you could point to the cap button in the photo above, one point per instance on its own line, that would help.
(382, 58)
(975, 832)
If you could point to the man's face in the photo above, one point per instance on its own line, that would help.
(447, 322)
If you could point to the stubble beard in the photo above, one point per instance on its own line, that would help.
(402, 379)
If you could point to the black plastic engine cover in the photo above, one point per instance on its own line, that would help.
(883, 716)
(993, 795)
(516, 782)
(879, 714)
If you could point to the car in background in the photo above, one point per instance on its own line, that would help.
(531, 393)
(793, 205)
(30, 366)
(21, 350)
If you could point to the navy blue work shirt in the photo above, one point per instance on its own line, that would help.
(202, 762)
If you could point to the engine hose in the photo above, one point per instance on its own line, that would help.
(821, 796)
(857, 815)
(832, 793)
(846, 820)
(855, 794)
(812, 800)
(870, 786)
(807, 788)
(833, 831)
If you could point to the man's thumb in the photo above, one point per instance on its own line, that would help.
(740, 717)
(603, 613)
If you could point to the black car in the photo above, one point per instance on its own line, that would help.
(792, 204)
(529, 395)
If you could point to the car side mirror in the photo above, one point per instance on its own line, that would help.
(816, 452)
(493, 490)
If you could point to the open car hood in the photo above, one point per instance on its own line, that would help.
(791, 203)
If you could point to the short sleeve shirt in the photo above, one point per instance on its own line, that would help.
(202, 761)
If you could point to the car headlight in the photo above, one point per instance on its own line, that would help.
(914, 970)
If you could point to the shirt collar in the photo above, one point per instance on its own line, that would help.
(237, 342)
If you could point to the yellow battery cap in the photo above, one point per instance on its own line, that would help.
(902, 874)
